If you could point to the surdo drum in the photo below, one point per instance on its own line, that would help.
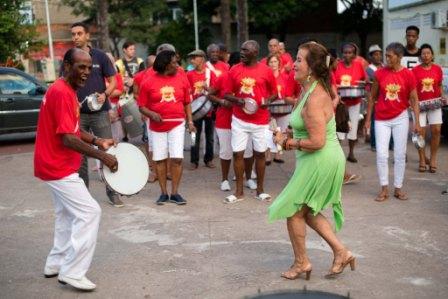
(132, 173)
(131, 116)
(200, 107)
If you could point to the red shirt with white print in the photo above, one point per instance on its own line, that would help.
(223, 114)
(428, 82)
(256, 82)
(167, 96)
(198, 83)
(218, 68)
(349, 76)
(59, 115)
(394, 90)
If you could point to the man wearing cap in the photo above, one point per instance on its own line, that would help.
(201, 78)
(376, 62)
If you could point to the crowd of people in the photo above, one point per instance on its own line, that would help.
(259, 107)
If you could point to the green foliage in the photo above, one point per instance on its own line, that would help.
(15, 37)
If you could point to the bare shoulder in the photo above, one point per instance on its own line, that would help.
(319, 104)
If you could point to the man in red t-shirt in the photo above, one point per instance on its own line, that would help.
(57, 159)
(254, 80)
(200, 79)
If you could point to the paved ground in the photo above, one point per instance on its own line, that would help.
(210, 250)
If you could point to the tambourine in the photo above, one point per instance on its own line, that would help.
(92, 102)
(250, 106)
(418, 141)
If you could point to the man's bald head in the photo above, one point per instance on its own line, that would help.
(77, 67)
(273, 46)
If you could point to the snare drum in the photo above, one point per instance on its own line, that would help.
(352, 91)
(280, 107)
(131, 117)
(133, 170)
(200, 107)
(250, 106)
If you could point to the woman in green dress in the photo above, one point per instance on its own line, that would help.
(317, 180)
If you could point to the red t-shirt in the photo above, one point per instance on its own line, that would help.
(428, 82)
(119, 86)
(198, 82)
(166, 95)
(257, 82)
(285, 60)
(59, 115)
(394, 89)
(138, 78)
(220, 68)
(348, 76)
(223, 114)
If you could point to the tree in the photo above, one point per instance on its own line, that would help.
(103, 26)
(226, 31)
(243, 26)
(16, 37)
(362, 17)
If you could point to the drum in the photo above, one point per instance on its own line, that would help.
(352, 91)
(131, 117)
(92, 102)
(250, 106)
(200, 107)
(432, 104)
(132, 173)
(280, 107)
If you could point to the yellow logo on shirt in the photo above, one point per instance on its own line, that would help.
(167, 93)
(247, 85)
(427, 85)
(199, 87)
(392, 91)
(346, 80)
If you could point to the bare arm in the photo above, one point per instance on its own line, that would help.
(187, 109)
(112, 83)
(81, 146)
(315, 120)
(371, 103)
(212, 96)
(413, 99)
(154, 116)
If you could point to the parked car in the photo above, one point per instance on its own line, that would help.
(20, 99)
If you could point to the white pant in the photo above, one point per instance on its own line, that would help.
(171, 142)
(270, 141)
(431, 117)
(398, 127)
(76, 226)
(353, 114)
(149, 136)
(243, 132)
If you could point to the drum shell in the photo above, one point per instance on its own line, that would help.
(352, 92)
(279, 107)
(200, 107)
(131, 119)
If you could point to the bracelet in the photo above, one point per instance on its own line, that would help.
(93, 140)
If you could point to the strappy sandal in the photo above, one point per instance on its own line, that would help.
(422, 168)
(400, 195)
(432, 169)
(382, 197)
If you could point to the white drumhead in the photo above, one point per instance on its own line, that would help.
(250, 106)
(133, 170)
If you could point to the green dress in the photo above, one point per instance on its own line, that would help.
(317, 179)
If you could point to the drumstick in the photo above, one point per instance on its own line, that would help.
(173, 119)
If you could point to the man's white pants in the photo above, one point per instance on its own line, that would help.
(398, 127)
(76, 226)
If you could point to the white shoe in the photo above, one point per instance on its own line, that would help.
(80, 284)
(251, 184)
(234, 178)
(50, 272)
(253, 175)
(225, 186)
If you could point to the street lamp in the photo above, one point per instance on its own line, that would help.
(195, 16)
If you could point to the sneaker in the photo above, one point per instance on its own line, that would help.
(225, 186)
(177, 199)
(81, 284)
(114, 199)
(50, 272)
(251, 184)
(163, 198)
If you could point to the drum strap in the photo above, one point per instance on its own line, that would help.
(211, 67)
(207, 77)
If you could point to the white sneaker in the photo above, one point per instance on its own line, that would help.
(251, 184)
(50, 272)
(225, 186)
(80, 284)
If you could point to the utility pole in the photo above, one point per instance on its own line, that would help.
(51, 75)
(196, 30)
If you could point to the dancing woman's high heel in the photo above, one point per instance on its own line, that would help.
(338, 269)
(295, 273)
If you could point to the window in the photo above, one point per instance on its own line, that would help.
(15, 84)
